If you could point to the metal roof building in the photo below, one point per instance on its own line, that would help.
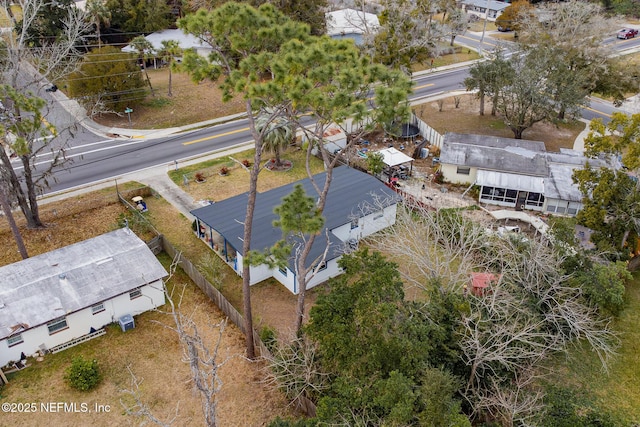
(356, 206)
(44, 287)
(351, 192)
(514, 172)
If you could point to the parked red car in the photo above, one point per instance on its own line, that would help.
(627, 33)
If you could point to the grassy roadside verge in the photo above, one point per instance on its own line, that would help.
(618, 390)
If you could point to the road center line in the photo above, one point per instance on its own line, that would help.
(195, 141)
(597, 111)
(423, 86)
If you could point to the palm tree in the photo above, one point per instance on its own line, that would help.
(278, 135)
(170, 49)
(99, 14)
(144, 47)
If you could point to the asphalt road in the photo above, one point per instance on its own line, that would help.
(95, 158)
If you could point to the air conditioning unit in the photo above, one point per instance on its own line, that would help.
(126, 322)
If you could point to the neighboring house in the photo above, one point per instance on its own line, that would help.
(352, 24)
(479, 8)
(514, 173)
(357, 205)
(52, 299)
(185, 41)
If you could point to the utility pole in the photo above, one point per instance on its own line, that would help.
(484, 26)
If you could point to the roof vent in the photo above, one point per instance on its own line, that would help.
(62, 276)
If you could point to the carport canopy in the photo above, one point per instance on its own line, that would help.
(393, 157)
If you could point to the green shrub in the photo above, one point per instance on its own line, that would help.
(83, 374)
(268, 337)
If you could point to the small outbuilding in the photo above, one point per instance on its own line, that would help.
(480, 282)
(397, 160)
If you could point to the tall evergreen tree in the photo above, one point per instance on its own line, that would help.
(99, 15)
(243, 39)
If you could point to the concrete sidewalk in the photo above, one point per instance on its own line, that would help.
(157, 177)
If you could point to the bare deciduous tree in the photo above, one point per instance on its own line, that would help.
(26, 68)
(138, 408)
(294, 369)
(413, 237)
(201, 357)
(530, 312)
(514, 401)
(203, 361)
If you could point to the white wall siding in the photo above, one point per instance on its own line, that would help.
(259, 273)
(81, 322)
(378, 220)
(332, 270)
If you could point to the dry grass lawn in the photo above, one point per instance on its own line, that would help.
(151, 351)
(466, 119)
(191, 103)
(196, 102)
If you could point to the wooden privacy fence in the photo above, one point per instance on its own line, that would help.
(201, 282)
(143, 192)
(302, 403)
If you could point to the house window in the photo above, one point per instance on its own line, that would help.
(98, 308)
(136, 293)
(573, 208)
(321, 267)
(534, 199)
(354, 223)
(15, 340)
(57, 325)
(498, 194)
(463, 170)
(283, 271)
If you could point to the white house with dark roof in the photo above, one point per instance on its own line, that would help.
(514, 173)
(357, 205)
(57, 297)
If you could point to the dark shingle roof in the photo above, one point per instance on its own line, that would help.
(350, 190)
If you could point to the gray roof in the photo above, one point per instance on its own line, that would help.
(495, 153)
(560, 185)
(350, 191)
(185, 40)
(495, 5)
(44, 287)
